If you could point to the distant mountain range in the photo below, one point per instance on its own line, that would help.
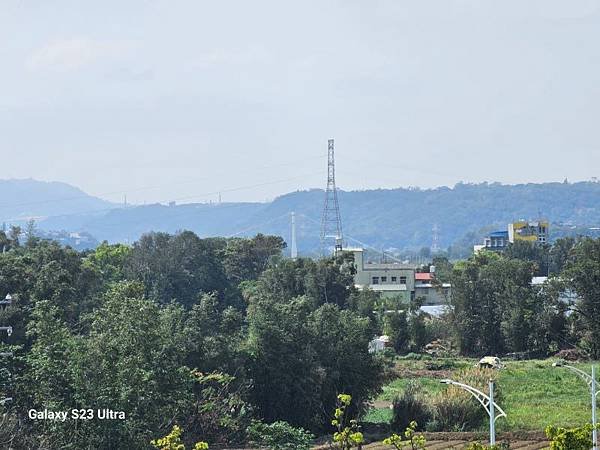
(383, 219)
(21, 200)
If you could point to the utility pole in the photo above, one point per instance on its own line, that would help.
(331, 223)
(294, 249)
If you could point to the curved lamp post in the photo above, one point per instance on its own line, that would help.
(591, 382)
(7, 300)
(487, 401)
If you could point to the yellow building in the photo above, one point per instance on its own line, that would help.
(523, 230)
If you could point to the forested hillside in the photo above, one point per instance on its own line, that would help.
(397, 218)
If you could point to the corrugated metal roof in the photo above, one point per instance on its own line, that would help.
(425, 276)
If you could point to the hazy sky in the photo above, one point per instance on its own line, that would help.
(182, 99)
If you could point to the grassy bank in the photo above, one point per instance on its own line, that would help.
(534, 394)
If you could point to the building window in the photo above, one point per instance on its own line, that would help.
(375, 280)
(402, 280)
(383, 279)
(394, 279)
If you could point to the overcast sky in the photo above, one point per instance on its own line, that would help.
(181, 99)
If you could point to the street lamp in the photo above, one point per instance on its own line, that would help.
(487, 401)
(591, 382)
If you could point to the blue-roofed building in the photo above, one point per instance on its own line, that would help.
(522, 230)
(496, 242)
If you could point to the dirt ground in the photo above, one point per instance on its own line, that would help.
(458, 441)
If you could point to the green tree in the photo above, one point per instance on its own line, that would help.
(220, 413)
(537, 253)
(396, 327)
(132, 361)
(246, 259)
(328, 280)
(341, 339)
(108, 260)
(560, 253)
(495, 306)
(302, 357)
(49, 379)
(283, 364)
(215, 336)
(583, 275)
(176, 267)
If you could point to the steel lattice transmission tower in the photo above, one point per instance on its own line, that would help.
(331, 222)
(435, 240)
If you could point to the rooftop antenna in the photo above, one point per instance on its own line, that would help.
(294, 249)
(331, 223)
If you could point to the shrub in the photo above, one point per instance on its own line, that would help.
(440, 364)
(478, 446)
(455, 409)
(570, 439)
(415, 441)
(172, 441)
(279, 436)
(410, 406)
(348, 432)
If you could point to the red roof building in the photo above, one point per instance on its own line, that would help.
(424, 277)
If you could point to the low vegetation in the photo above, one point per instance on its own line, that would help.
(533, 393)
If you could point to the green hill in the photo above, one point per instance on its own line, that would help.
(385, 218)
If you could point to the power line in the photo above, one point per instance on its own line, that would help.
(201, 195)
(355, 240)
(253, 227)
(144, 188)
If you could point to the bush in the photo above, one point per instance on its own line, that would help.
(415, 441)
(409, 407)
(478, 446)
(279, 436)
(348, 432)
(441, 364)
(570, 439)
(172, 441)
(455, 409)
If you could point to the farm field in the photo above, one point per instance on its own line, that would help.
(533, 393)
(458, 444)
